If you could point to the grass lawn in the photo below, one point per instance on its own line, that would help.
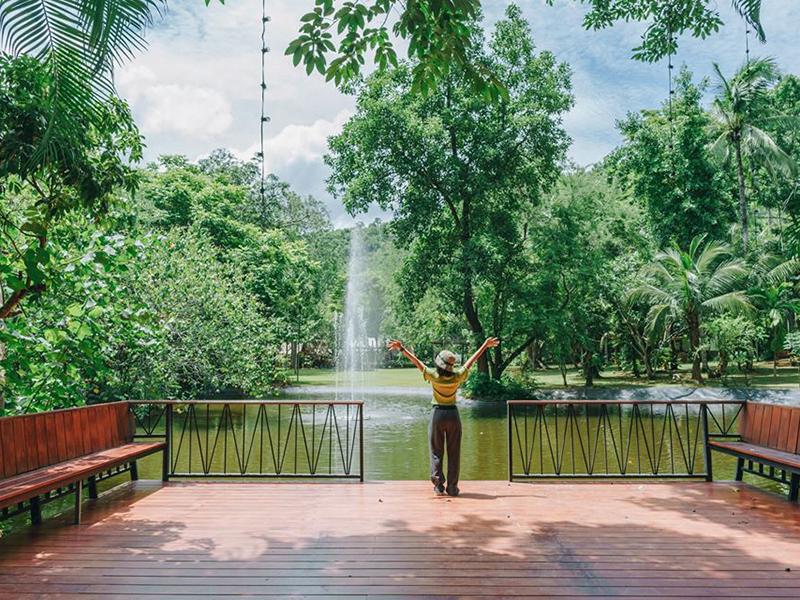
(787, 377)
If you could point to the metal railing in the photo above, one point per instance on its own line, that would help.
(246, 438)
(616, 439)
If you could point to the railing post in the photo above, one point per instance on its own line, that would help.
(361, 440)
(706, 448)
(510, 444)
(167, 458)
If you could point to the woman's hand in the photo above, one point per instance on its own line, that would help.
(395, 345)
(492, 342)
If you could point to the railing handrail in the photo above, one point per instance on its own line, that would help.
(252, 401)
(620, 402)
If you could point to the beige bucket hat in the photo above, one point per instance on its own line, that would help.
(446, 361)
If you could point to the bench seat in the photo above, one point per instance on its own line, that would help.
(784, 460)
(770, 436)
(44, 456)
(22, 487)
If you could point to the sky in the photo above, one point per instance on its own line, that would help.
(197, 86)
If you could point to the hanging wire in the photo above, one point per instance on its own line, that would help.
(264, 118)
(747, 46)
(670, 116)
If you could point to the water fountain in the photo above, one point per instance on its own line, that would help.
(355, 346)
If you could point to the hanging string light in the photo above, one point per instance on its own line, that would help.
(747, 46)
(670, 116)
(264, 118)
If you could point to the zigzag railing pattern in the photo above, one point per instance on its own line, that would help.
(612, 439)
(257, 438)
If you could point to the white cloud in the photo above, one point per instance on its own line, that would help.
(303, 142)
(162, 108)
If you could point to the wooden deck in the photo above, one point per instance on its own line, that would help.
(191, 540)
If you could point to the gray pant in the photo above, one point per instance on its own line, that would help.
(445, 429)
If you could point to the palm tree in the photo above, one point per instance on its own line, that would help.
(736, 116)
(681, 287)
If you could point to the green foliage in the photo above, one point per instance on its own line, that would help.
(40, 189)
(739, 112)
(69, 348)
(440, 39)
(483, 387)
(668, 167)
(78, 43)
(666, 21)
(683, 286)
(736, 339)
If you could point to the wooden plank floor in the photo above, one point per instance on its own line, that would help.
(194, 540)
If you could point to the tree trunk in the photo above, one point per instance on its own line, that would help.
(588, 369)
(743, 218)
(694, 344)
(648, 362)
(723, 364)
(673, 355)
(562, 366)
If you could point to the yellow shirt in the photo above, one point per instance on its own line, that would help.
(444, 388)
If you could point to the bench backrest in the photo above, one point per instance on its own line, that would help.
(772, 426)
(29, 442)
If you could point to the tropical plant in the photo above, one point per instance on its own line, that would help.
(738, 127)
(666, 163)
(683, 286)
(77, 42)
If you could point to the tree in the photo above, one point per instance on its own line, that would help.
(668, 167)
(737, 121)
(217, 201)
(440, 42)
(682, 286)
(83, 177)
(735, 338)
(461, 174)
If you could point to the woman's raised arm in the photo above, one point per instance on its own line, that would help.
(398, 345)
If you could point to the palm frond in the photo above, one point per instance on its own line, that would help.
(750, 11)
(734, 302)
(726, 276)
(760, 144)
(722, 83)
(706, 258)
(650, 294)
(773, 270)
(80, 41)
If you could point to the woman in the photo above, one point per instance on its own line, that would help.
(445, 428)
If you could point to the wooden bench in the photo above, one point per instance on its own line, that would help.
(47, 455)
(770, 437)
